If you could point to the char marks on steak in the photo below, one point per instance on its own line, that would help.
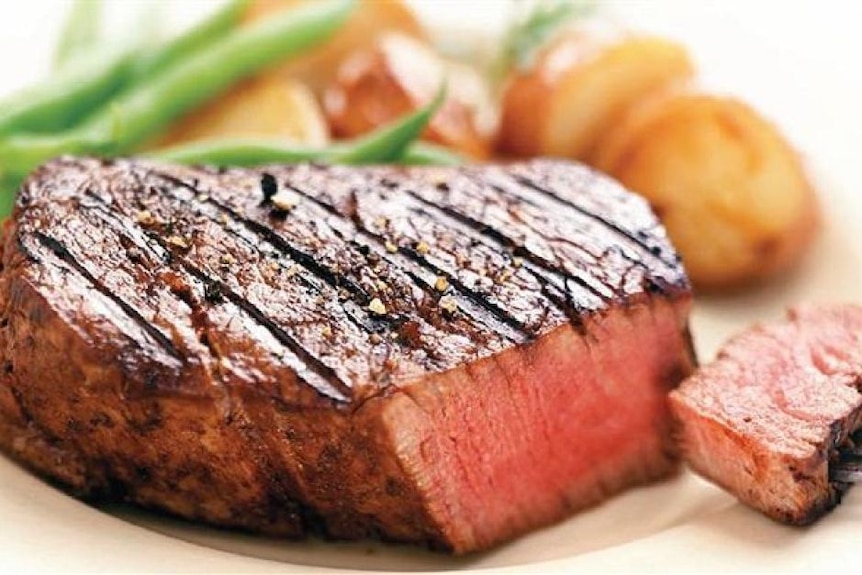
(445, 356)
(775, 411)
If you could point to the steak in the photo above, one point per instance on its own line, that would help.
(771, 420)
(450, 357)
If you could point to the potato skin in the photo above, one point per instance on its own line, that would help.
(399, 75)
(266, 106)
(317, 67)
(579, 86)
(732, 193)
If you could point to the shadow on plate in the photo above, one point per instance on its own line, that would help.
(638, 513)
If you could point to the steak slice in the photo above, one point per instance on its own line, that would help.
(777, 406)
(443, 356)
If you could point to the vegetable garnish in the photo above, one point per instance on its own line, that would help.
(193, 40)
(528, 34)
(147, 108)
(81, 32)
(67, 96)
(91, 75)
(425, 154)
(389, 143)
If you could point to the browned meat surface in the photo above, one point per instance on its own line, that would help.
(443, 356)
(777, 406)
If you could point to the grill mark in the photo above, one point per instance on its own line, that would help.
(62, 252)
(536, 262)
(328, 275)
(640, 244)
(307, 261)
(429, 289)
(505, 323)
(199, 319)
(122, 226)
(307, 360)
(477, 298)
(540, 268)
(486, 180)
(652, 252)
(365, 322)
(402, 261)
(360, 320)
(563, 301)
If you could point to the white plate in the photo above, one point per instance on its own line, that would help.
(795, 61)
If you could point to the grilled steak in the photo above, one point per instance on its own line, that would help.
(443, 356)
(775, 409)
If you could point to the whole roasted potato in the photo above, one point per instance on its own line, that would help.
(317, 66)
(398, 75)
(731, 191)
(579, 86)
(266, 106)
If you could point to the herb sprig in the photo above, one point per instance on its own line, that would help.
(533, 30)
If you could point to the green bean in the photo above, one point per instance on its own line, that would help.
(245, 152)
(80, 31)
(424, 154)
(68, 95)
(199, 37)
(147, 108)
(386, 144)
(86, 83)
(150, 107)
(20, 154)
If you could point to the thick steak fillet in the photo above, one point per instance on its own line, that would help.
(779, 403)
(444, 356)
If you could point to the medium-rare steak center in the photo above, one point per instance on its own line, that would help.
(444, 356)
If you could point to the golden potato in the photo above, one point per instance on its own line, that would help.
(317, 66)
(732, 193)
(578, 88)
(399, 75)
(261, 107)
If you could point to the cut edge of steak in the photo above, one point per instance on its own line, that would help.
(774, 412)
(174, 340)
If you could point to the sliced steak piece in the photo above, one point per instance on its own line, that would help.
(777, 406)
(444, 356)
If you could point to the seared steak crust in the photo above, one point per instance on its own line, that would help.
(244, 346)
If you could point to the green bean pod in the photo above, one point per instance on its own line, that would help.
(386, 144)
(84, 84)
(147, 108)
(80, 32)
(196, 38)
(68, 96)
(425, 154)
(241, 152)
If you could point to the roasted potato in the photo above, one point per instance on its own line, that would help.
(266, 107)
(579, 86)
(732, 193)
(317, 67)
(398, 75)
